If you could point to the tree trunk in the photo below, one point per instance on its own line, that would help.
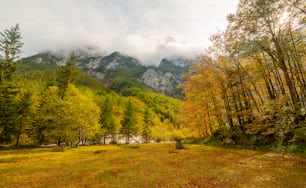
(19, 130)
(283, 67)
(59, 142)
(104, 138)
(127, 139)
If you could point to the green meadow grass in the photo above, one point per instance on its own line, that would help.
(149, 165)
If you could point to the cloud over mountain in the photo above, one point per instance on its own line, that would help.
(147, 29)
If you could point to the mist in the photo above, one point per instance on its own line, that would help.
(146, 29)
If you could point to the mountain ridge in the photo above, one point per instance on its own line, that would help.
(164, 78)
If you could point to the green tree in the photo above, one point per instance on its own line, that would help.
(8, 115)
(67, 74)
(128, 123)
(52, 119)
(71, 120)
(106, 119)
(10, 48)
(24, 120)
(146, 129)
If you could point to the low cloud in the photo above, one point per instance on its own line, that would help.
(148, 30)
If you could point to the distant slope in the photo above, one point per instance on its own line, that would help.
(164, 79)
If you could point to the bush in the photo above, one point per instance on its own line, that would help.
(300, 135)
(291, 148)
(257, 141)
(218, 137)
(179, 144)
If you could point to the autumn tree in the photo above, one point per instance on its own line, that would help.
(268, 30)
(251, 81)
(83, 117)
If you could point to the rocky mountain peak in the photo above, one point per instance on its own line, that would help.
(164, 78)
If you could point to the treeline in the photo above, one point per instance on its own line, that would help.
(250, 86)
(47, 105)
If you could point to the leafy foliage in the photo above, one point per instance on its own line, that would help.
(45, 104)
(107, 118)
(147, 125)
(128, 123)
(249, 88)
(10, 48)
(67, 74)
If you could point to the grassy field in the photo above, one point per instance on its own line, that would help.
(152, 165)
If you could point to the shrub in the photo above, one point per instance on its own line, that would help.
(300, 135)
(179, 144)
(257, 140)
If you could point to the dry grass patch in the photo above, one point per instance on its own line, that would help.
(149, 165)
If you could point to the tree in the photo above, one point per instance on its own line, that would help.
(267, 29)
(67, 74)
(83, 121)
(52, 119)
(8, 115)
(24, 120)
(10, 48)
(72, 120)
(253, 80)
(146, 129)
(128, 123)
(106, 118)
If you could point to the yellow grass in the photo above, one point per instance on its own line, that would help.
(151, 165)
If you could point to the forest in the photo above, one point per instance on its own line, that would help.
(248, 89)
(237, 119)
(45, 105)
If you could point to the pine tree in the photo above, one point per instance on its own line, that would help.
(8, 115)
(106, 119)
(67, 74)
(24, 116)
(146, 129)
(10, 47)
(128, 124)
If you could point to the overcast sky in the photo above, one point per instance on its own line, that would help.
(146, 29)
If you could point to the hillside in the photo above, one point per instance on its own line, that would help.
(164, 79)
(55, 112)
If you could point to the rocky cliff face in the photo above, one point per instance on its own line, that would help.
(162, 82)
(164, 78)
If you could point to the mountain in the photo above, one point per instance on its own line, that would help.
(116, 67)
(167, 76)
(39, 61)
(175, 65)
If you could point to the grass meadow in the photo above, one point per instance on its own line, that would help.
(149, 165)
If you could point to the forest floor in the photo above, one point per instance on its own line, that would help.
(149, 165)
